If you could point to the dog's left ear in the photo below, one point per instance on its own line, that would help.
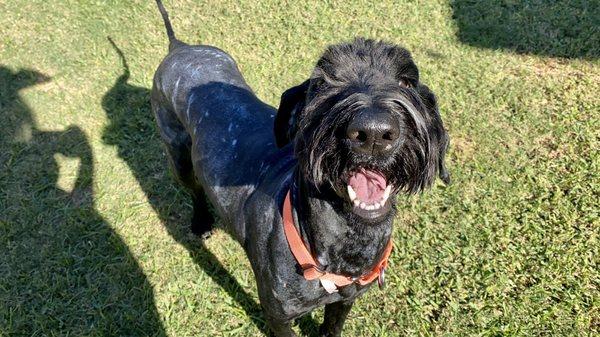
(438, 136)
(292, 102)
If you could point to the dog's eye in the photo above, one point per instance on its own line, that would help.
(404, 82)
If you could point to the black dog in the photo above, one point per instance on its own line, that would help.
(359, 131)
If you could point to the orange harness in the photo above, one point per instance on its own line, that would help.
(310, 266)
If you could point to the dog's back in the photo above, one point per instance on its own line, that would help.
(202, 103)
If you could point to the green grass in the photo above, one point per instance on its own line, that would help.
(93, 231)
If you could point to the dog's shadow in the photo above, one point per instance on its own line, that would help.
(132, 130)
(63, 269)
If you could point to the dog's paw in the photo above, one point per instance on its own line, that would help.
(205, 235)
(202, 228)
(203, 232)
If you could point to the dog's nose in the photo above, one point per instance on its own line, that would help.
(373, 133)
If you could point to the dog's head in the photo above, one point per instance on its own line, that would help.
(364, 127)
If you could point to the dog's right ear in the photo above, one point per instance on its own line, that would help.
(292, 102)
(437, 133)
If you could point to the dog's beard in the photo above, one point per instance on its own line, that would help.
(366, 183)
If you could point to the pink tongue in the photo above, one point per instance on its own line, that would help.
(368, 185)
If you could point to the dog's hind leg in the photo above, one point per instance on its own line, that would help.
(178, 145)
(202, 220)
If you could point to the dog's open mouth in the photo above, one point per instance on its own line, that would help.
(369, 192)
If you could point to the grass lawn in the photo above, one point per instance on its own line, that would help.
(93, 231)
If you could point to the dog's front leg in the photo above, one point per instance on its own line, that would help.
(335, 316)
(281, 328)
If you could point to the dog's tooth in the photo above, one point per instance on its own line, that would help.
(377, 205)
(370, 207)
(388, 190)
(363, 205)
(386, 193)
(351, 193)
(356, 202)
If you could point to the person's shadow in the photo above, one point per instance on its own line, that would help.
(63, 270)
(132, 130)
(549, 28)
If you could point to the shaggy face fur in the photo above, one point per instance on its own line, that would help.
(364, 77)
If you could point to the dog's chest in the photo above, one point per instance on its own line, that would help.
(310, 295)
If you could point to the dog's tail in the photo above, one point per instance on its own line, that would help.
(174, 43)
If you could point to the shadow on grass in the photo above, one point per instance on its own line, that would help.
(132, 129)
(63, 270)
(567, 29)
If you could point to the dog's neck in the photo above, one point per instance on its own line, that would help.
(341, 242)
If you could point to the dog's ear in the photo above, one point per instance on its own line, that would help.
(292, 102)
(438, 136)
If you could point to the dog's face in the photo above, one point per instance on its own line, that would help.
(364, 127)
